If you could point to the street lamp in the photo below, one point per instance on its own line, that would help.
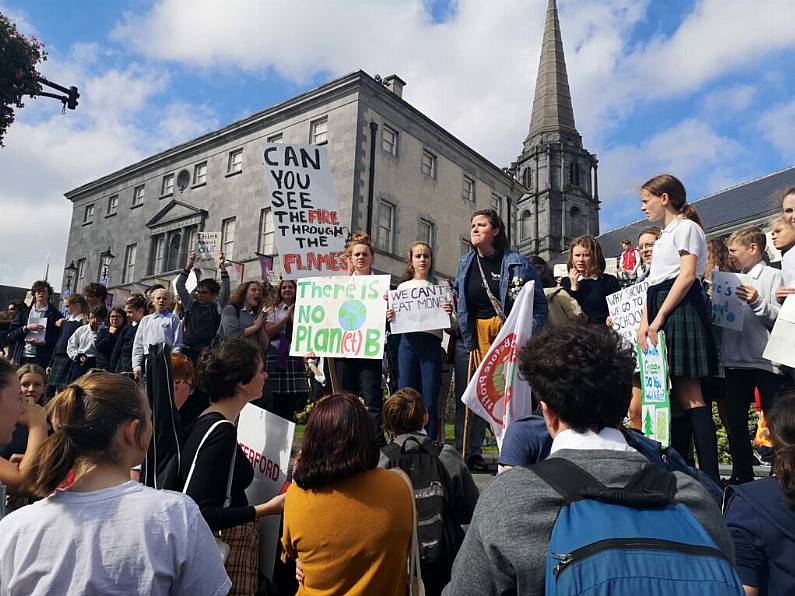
(105, 259)
(69, 273)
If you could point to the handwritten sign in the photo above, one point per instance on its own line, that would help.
(308, 231)
(560, 270)
(781, 344)
(727, 309)
(420, 308)
(341, 317)
(626, 309)
(266, 440)
(655, 388)
(208, 248)
(611, 265)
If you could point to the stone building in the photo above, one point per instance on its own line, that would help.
(561, 193)
(397, 174)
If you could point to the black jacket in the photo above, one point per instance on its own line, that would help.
(16, 336)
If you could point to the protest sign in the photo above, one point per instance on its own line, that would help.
(727, 309)
(560, 270)
(308, 232)
(208, 249)
(781, 344)
(655, 388)
(611, 265)
(36, 336)
(266, 439)
(341, 317)
(495, 392)
(420, 308)
(626, 310)
(190, 283)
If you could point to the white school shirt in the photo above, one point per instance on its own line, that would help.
(608, 438)
(681, 234)
(82, 341)
(164, 328)
(128, 539)
(788, 268)
(276, 315)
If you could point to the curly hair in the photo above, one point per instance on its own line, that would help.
(581, 371)
(339, 442)
(222, 368)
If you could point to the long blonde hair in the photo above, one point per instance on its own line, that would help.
(596, 267)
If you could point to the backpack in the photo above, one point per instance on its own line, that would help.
(631, 540)
(437, 532)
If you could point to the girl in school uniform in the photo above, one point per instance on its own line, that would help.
(587, 282)
(676, 304)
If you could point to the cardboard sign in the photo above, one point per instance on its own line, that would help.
(611, 265)
(626, 309)
(727, 309)
(208, 249)
(308, 232)
(560, 270)
(267, 440)
(420, 308)
(342, 317)
(655, 387)
(781, 344)
(190, 283)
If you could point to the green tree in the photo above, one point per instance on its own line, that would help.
(648, 424)
(19, 56)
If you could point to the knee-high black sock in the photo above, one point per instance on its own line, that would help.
(681, 434)
(706, 441)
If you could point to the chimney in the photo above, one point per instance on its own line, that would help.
(395, 84)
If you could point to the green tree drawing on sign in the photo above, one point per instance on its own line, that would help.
(648, 424)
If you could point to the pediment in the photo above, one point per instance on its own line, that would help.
(176, 212)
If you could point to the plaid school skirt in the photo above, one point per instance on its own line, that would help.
(242, 566)
(291, 380)
(688, 333)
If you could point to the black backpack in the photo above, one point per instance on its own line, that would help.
(437, 531)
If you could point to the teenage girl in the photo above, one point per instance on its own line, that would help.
(587, 282)
(362, 376)
(61, 364)
(676, 304)
(420, 353)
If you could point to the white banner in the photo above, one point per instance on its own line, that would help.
(727, 309)
(496, 392)
(340, 317)
(267, 440)
(781, 345)
(309, 235)
(626, 310)
(208, 249)
(420, 308)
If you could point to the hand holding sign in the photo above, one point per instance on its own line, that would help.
(419, 308)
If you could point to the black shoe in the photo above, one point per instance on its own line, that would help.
(476, 463)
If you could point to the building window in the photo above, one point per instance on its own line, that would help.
(428, 164)
(81, 274)
(235, 163)
(200, 173)
(128, 275)
(173, 244)
(524, 225)
(138, 195)
(385, 239)
(228, 237)
(425, 231)
(266, 232)
(574, 174)
(577, 223)
(277, 138)
(113, 204)
(389, 140)
(159, 252)
(496, 203)
(319, 132)
(88, 213)
(468, 189)
(167, 187)
(466, 246)
(527, 178)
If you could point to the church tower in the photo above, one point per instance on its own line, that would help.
(561, 196)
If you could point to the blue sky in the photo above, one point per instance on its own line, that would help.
(699, 88)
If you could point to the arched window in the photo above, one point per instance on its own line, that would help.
(527, 178)
(173, 261)
(524, 225)
(574, 174)
(576, 222)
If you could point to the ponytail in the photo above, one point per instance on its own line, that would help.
(86, 417)
(690, 213)
(781, 423)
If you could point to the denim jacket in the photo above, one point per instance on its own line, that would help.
(514, 266)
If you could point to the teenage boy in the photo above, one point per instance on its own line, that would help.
(95, 294)
(202, 313)
(630, 263)
(160, 327)
(82, 346)
(741, 351)
(121, 358)
(35, 332)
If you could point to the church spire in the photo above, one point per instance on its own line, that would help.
(552, 111)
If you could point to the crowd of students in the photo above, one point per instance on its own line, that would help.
(376, 500)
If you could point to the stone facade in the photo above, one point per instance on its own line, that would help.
(426, 184)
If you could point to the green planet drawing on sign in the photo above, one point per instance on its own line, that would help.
(352, 314)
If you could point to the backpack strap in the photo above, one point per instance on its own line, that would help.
(231, 465)
(567, 478)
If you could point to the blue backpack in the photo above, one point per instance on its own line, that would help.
(633, 540)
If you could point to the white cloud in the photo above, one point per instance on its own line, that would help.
(778, 126)
(727, 101)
